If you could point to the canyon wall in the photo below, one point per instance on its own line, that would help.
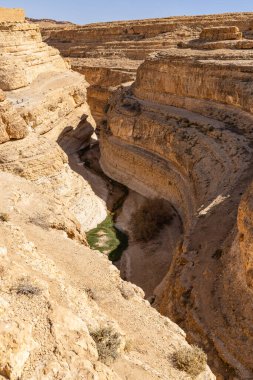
(44, 100)
(65, 312)
(117, 49)
(183, 132)
(137, 38)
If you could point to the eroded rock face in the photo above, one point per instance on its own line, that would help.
(183, 132)
(57, 303)
(18, 68)
(104, 76)
(221, 33)
(137, 38)
(113, 51)
(42, 96)
(12, 126)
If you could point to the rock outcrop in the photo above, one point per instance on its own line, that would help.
(137, 38)
(12, 15)
(104, 75)
(12, 126)
(183, 132)
(223, 33)
(42, 96)
(64, 311)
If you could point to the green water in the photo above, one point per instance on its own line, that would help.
(106, 238)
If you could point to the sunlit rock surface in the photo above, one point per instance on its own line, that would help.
(183, 132)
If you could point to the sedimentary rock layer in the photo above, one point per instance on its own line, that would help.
(42, 96)
(12, 15)
(221, 33)
(183, 132)
(104, 75)
(136, 39)
(57, 301)
(121, 46)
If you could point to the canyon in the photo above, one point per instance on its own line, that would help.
(130, 112)
(180, 130)
(108, 54)
(65, 311)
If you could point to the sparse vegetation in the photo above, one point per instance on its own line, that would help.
(27, 289)
(107, 342)
(150, 218)
(39, 220)
(2, 270)
(4, 217)
(90, 293)
(192, 360)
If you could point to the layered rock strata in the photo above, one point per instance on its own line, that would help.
(220, 38)
(12, 15)
(183, 132)
(137, 38)
(104, 75)
(122, 46)
(64, 311)
(221, 33)
(41, 96)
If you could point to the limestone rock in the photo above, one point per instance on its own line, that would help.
(42, 96)
(183, 132)
(221, 33)
(12, 15)
(47, 317)
(12, 126)
(108, 54)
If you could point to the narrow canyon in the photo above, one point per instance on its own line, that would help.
(126, 166)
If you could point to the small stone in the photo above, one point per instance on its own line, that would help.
(3, 251)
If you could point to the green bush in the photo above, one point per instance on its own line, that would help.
(150, 218)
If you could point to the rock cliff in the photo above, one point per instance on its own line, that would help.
(183, 132)
(64, 311)
(43, 100)
(116, 49)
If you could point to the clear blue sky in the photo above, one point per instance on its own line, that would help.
(87, 11)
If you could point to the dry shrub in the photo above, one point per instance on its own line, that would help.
(40, 221)
(192, 360)
(149, 219)
(27, 289)
(4, 217)
(2, 270)
(107, 342)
